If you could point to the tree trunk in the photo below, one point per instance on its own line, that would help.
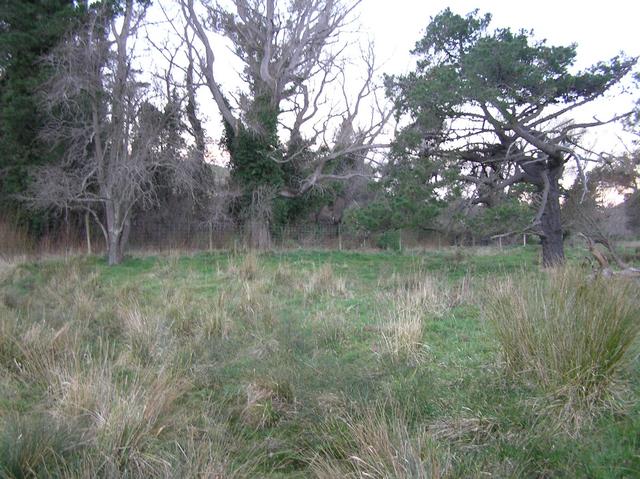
(115, 248)
(551, 225)
(116, 233)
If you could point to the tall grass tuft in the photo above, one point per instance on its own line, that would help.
(432, 293)
(247, 269)
(571, 334)
(402, 333)
(414, 301)
(380, 445)
(34, 445)
(324, 280)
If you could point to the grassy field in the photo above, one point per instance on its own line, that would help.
(299, 364)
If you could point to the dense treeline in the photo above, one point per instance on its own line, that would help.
(484, 143)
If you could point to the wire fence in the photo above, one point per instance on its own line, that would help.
(226, 235)
(189, 234)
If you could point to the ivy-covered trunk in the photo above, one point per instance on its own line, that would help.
(253, 149)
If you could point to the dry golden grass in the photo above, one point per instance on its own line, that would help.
(323, 281)
(414, 300)
(384, 448)
(267, 402)
(245, 268)
(401, 334)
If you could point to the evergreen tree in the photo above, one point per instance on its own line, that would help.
(29, 29)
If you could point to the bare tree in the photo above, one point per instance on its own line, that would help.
(291, 56)
(102, 118)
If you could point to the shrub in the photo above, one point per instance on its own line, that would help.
(389, 240)
(571, 334)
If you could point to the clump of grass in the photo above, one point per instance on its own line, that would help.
(144, 333)
(330, 328)
(263, 347)
(380, 445)
(247, 269)
(284, 275)
(323, 280)
(189, 314)
(132, 425)
(457, 255)
(209, 453)
(402, 333)
(128, 424)
(168, 264)
(431, 293)
(34, 445)
(266, 403)
(39, 352)
(415, 300)
(467, 430)
(216, 322)
(251, 305)
(8, 264)
(570, 334)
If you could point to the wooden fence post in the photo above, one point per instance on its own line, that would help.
(87, 228)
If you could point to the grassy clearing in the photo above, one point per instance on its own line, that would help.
(306, 364)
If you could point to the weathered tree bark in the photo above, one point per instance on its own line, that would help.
(114, 233)
(551, 236)
(548, 222)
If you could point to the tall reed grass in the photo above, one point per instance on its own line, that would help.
(570, 334)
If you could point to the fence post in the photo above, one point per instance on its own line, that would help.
(210, 236)
(339, 237)
(87, 231)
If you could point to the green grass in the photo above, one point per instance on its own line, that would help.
(296, 364)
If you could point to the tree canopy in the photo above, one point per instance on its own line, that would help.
(495, 105)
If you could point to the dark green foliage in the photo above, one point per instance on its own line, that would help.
(407, 197)
(507, 217)
(255, 161)
(462, 62)
(28, 30)
(251, 159)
